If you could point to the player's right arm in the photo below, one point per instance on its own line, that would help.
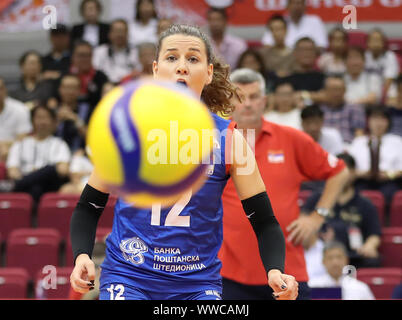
(83, 225)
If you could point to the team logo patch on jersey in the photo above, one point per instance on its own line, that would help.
(133, 250)
(276, 156)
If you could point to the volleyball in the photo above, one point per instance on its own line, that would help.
(150, 142)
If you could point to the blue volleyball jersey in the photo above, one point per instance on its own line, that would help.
(172, 249)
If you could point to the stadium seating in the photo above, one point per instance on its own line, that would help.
(13, 283)
(55, 210)
(15, 212)
(380, 280)
(378, 200)
(391, 247)
(395, 219)
(106, 219)
(395, 45)
(3, 171)
(33, 249)
(59, 289)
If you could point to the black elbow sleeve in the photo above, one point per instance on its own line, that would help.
(271, 241)
(84, 220)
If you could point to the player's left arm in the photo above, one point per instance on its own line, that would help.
(256, 204)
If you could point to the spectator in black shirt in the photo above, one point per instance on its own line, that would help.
(306, 79)
(396, 110)
(72, 114)
(355, 221)
(57, 62)
(33, 90)
(92, 80)
(92, 30)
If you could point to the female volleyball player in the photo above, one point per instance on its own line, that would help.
(172, 253)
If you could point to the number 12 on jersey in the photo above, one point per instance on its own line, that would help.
(173, 218)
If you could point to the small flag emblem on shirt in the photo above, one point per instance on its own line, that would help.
(276, 156)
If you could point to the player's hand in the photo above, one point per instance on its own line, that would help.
(285, 286)
(304, 227)
(83, 276)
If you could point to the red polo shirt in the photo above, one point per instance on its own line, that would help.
(286, 157)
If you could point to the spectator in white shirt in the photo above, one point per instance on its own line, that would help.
(378, 155)
(381, 61)
(335, 259)
(91, 30)
(313, 251)
(39, 163)
(15, 121)
(116, 59)
(226, 46)
(362, 87)
(285, 111)
(300, 25)
(145, 26)
(330, 139)
(332, 62)
(80, 169)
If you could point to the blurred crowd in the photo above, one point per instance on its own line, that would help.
(348, 98)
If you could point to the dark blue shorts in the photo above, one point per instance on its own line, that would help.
(118, 291)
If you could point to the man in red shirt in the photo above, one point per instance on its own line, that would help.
(286, 157)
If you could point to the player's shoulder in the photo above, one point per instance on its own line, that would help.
(221, 122)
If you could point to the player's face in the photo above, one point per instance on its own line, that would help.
(183, 59)
(251, 109)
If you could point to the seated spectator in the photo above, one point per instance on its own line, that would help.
(348, 118)
(284, 111)
(146, 57)
(300, 25)
(355, 221)
(252, 59)
(396, 110)
(312, 122)
(116, 59)
(381, 61)
(72, 114)
(305, 78)
(92, 30)
(278, 58)
(79, 171)
(91, 80)
(15, 121)
(145, 25)
(39, 163)
(361, 87)
(378, 155)
(225, 46)
(335, 259)
(332, 62)
(58, 60)
(313, 251)
(32, 89)
(163, 25)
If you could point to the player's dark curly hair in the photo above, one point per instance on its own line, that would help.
(218, 94)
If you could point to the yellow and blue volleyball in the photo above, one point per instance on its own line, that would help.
(146, 140)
